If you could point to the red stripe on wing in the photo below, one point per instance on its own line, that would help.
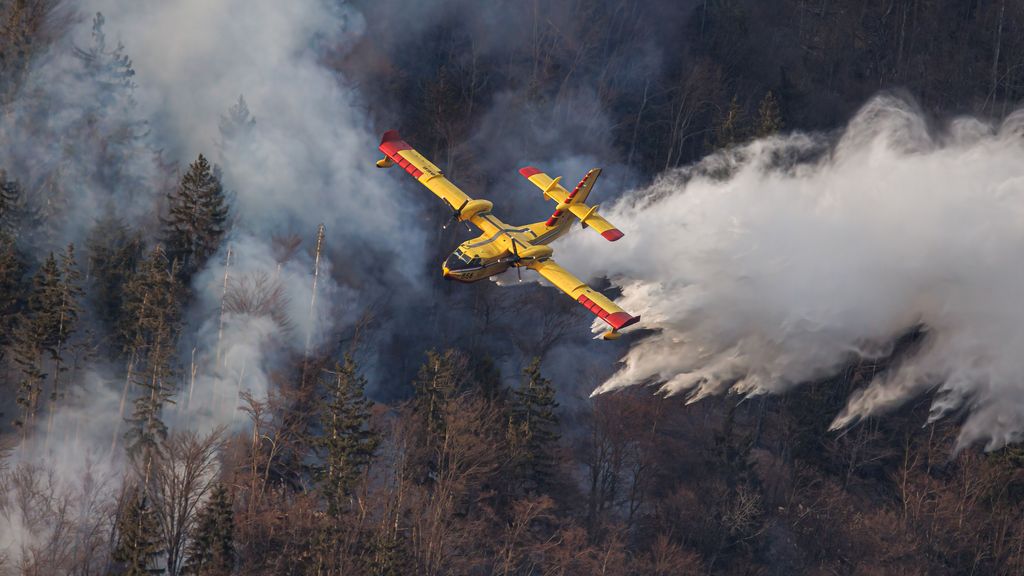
(612, 235)
(616, 320)
(528, 171)
(391, 144)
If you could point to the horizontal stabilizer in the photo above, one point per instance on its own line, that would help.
(573, 202)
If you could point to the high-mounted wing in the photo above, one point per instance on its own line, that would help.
(398, 151)
(574, 202)
(578, 290)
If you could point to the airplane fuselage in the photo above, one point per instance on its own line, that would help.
(493, 253)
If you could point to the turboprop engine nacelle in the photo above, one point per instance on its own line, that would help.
(474, 207)
(536, 253)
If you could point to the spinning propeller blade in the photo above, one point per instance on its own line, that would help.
(456, 212)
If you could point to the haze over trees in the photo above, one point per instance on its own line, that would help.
(460, 452)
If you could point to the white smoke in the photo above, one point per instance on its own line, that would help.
(775, 264)
(307, 160)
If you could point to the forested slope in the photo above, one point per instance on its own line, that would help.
(195, 378)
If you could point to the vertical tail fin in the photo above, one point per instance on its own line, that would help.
(573, 202)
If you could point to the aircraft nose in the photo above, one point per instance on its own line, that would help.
(446, 272)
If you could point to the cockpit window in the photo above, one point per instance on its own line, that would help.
(459, 260)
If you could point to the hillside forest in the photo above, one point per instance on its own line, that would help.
(205, 370)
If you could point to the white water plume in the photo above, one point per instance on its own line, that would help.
(779, 262)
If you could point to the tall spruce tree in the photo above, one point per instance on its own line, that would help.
(28, 357)
(211, 551)
(37, 331)
(346, 444)
(113, 251)
(438, 380)
(13, 288)
(533, 429)
(138, 538)
(108, 77)
(11, 208)
(235, 125)
(196, 219)
(109, 68)
(151, 327)
(24, 26)
(70, 293)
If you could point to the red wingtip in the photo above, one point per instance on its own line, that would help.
(612, 235)
(620, 320)
(528, 171)
(391, 143)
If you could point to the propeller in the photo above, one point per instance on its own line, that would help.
(456, 213)
(516, 259)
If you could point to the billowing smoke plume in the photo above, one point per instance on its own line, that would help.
(777, 263)
(295, 153)
(300, 160)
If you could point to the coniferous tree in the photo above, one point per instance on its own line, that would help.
(110, 68)
(22, 38)
(113, 251)
(100, 137)
(236, 123)
(108, 76)
(197, 216)
(151, 320)
(138, 538)
(769, 116)
(37, 331)
(438, 380)
(534, 429)
(12, 288)
(347, 443)
(70, 293)
(28, 356)
(11, 208)
(388, 557)
(731, 128)
(212, 549)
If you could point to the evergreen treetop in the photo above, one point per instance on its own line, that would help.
(113, 251)
(138, 541)
(197, 215)
(236, 123)
(438, 380)
(211, 551)
(152, 324)
(347, 443)
(534, 428)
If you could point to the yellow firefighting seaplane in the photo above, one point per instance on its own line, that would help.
(502, 246)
